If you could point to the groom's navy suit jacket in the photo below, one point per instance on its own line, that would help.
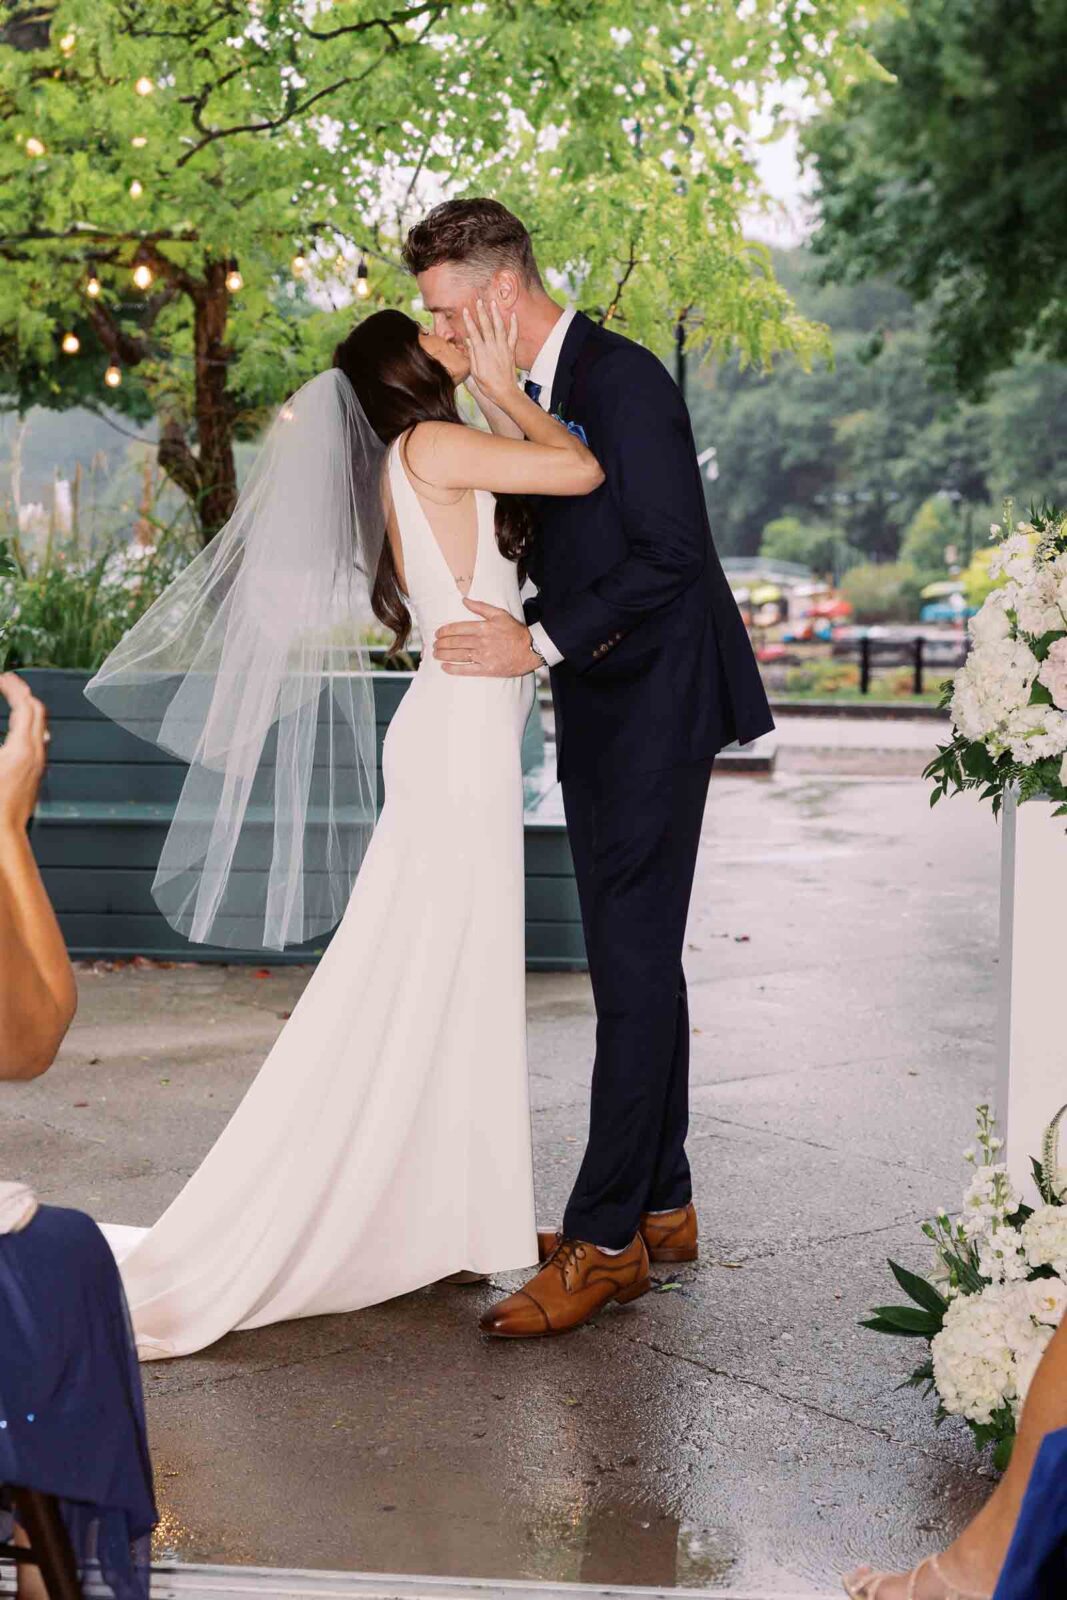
(658, 670)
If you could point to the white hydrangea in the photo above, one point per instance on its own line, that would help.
(974, 1365)
(1044, 1238)
(1047, 1298)
(987, 1351)
(1033, 733)
(1027, 1362)
(991, 622)
(993, 682)
(1037, 607)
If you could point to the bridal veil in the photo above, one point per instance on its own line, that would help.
(252, 668)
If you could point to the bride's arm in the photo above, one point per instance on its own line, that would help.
(547, 459)
(497, 418)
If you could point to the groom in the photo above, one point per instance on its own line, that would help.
(652, 674)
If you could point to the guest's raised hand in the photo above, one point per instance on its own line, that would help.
(22, 754)
(491, 346)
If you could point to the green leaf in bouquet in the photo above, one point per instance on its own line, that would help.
(968, 1277)
(1039, 695)
(909, 1322)
(977, 762)
(1002, 1452)
(918, 1289)
(1041, 648)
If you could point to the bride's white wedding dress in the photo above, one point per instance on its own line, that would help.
(385, 1142)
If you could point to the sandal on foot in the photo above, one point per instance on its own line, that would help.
(868, 1588)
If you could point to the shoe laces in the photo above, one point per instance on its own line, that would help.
(567, 1254)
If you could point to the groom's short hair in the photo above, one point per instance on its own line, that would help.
(480, 234)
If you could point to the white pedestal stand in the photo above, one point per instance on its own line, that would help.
(1032, 1019)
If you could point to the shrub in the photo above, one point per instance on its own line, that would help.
(883, 591)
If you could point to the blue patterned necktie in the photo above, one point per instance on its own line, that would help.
(533, 390)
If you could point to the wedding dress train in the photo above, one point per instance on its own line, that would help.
(385, 1142)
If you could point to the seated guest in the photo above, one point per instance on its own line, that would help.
(71, 1410)
(37, 991)
(1016, 1547)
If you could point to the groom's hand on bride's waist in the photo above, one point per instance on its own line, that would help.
(497, 646)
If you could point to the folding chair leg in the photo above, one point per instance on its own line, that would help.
(49, 1543)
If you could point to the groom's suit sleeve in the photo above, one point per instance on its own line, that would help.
(639, 429)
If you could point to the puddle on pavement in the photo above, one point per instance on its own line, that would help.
(626, 1542)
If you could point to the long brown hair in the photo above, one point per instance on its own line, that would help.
(398, 385)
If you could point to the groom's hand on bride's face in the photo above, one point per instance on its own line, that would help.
(496, 647)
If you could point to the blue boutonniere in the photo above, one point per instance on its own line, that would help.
(572, 427)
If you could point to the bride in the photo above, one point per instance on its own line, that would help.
(385, 1143)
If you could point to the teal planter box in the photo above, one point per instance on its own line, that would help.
(107, 801)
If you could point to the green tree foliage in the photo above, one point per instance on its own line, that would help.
(863, 444)
(952, 180)
(196, 138)
(885, 591)
(933, 530)
(817, 545)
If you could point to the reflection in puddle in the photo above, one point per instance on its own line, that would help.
(629, 1543)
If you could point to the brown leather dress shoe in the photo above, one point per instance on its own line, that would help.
(575, 1282)
(668, 1236)
(671, 1235)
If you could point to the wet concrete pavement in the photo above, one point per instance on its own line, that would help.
(736, 1428)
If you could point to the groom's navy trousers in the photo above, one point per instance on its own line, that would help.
(657, 676)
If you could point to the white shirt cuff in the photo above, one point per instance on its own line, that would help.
(544, 645)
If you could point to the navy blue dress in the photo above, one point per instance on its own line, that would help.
(1036, 1564)
(71, 1408)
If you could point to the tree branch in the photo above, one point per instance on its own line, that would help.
(273, 123)
(177, 460)
(436, 7)
(619, 287)
(118, 344)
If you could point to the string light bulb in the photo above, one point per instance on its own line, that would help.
(144, 86)
(67, 43)
(113, 376)
(143, 275)
(71, 344)
(92, 286)
(362, 279)
(136, 189)
(34, 146)
(234, 280)
(299, 265)
(138, 141)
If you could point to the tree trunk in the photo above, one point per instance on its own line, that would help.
(213, 407)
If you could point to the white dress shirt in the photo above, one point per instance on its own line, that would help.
(543, 371)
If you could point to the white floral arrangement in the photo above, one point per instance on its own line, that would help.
(996, 1293)
(1008, 701)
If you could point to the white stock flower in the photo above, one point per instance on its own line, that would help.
(1013, 558)
(1044, 1238)
(1001, 1258)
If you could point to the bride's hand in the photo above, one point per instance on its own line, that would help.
(491, 347)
